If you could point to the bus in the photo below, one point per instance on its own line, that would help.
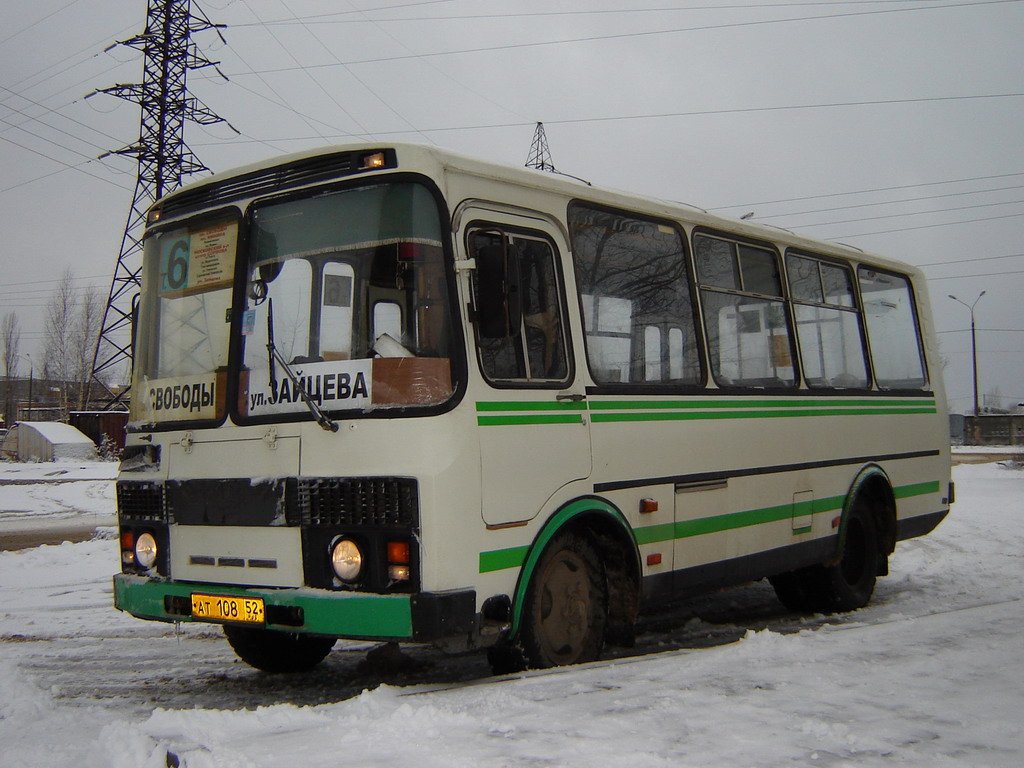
(390, 393)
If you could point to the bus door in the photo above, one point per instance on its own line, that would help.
(531, 414)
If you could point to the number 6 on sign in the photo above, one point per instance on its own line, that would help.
(174, 258)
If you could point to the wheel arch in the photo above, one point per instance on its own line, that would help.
(873, 485)
(617, 547)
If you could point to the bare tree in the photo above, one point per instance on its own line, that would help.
(58, 354)
(73, 320)
(85, 330)
(10, 337)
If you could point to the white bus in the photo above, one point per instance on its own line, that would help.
(392, 393)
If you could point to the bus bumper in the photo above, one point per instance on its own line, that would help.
(421, 617)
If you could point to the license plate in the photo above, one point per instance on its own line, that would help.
(248, 610)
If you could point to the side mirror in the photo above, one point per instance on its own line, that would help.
(499, 302)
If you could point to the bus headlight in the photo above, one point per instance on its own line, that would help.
(145, 550)
(346, 560)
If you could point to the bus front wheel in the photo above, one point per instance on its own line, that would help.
(277, 652)
(566, 607)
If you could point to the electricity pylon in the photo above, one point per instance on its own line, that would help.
(163, 160)
(540, 155)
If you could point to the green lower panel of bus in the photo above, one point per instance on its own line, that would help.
(419, 617)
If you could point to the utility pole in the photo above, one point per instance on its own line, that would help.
(163, 161)
(974, 346)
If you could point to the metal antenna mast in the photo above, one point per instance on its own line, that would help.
(163, 159)
(540, 155)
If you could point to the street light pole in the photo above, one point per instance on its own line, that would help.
(31, 371)
(974, 345)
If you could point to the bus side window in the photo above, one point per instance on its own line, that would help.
(828, 324)
(748, 333)
(893, 333)
(519, 324)
(636, 299)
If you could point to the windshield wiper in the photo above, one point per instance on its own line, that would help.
(322, 418)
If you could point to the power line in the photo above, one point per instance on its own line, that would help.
(868, 191)
(982, 274)
(37, 22)
(30, 119)
(328, 18)
(67, 166)
(662, 115)
(889, 202)
(969, 261)
(903, 215)
(925, 226)
(645, 33)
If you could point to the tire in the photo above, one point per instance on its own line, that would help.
(789, 588)
(848, 584)
(278, 652)
(566, 608)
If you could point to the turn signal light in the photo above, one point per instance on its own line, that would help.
(398, 552)
(647, 506)
(127, 548)
(399, 557)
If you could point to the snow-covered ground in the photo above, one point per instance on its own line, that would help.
(931, 674)
(48, 494)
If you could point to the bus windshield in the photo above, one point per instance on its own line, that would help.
(182, 332)
(349, 287)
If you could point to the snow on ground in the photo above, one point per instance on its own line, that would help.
(44, 494)
(931, 674)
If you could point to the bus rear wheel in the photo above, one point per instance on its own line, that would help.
(850, 583)
(277, 652)
(845, 585)
(566, 607)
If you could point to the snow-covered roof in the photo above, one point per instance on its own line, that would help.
(56, 432)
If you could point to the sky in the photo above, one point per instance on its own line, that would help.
(928, 675)
(890, 125)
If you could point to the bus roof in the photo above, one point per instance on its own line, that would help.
(430, 158)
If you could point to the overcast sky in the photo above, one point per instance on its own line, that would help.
(891, 125)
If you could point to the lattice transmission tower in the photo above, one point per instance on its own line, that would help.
(540, 153)
(163, 160)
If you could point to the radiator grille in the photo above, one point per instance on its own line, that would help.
(141, 502)
(373, 501)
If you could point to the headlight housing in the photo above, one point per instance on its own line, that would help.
(146, 550)
(346, 560)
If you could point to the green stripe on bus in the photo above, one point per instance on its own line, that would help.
(529, 405)
(919, 489)
(525, 412)
(775, 403)
(783, 414)
(500, 559)
(529, 418)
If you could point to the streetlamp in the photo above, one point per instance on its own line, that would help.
(31, 371)
(974, 344)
